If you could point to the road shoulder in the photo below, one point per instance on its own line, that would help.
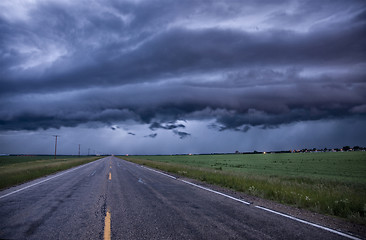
(332, 222)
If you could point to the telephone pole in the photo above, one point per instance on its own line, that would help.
(88, 151)
(79, 150)
(55, 144)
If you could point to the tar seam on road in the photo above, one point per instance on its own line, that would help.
(259, 207)
(45, 180)
(107, 226)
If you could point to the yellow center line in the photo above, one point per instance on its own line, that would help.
(110, 176)
(107, 226)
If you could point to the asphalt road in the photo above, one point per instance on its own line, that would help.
(118, 199)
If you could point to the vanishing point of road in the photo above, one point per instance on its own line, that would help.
(115, 199)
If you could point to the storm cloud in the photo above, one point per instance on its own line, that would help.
(153, 135)
(241, 64)
(181, 134)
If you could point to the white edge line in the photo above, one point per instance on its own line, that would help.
(210, 190)
(309, 223)
(45, 180)
(159, 172)
(198, 186)
(263, 208)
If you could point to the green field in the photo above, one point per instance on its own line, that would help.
(19, 169)
(328, 183)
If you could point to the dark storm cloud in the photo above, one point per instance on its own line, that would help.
(153, 135)
(158, 62)
(176, 52)
(130, 133)
(181, 135)
(156, 125)
(235, 127)
(114, 128)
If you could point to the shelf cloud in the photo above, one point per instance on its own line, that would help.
(242, 64)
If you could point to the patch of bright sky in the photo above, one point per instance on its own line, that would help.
(16, 10)
(253, 19)
(20, 10)
(334, 70)
(40, 57)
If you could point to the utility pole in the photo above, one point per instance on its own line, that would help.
(55, 144)
(79, 150)
(88, 151)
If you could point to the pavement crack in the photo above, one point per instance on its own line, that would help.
(101, 213)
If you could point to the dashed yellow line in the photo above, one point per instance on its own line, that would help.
(107, 226)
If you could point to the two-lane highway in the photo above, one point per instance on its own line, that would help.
(113, 198)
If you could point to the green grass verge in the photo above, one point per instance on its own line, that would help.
(19, 169)
(327, 183)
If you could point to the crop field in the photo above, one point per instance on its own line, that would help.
(19, 169)
(328, 183)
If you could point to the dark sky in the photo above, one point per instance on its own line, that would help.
(149, 77)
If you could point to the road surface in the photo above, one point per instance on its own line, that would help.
(115, 199)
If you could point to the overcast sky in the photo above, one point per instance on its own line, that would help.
(162, 77)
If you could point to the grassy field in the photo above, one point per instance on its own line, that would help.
(328, 183)
(19, 169)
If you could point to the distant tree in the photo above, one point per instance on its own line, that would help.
(346, 148)
(356, 148)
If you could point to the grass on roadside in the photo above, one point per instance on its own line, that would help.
(19, 169)
(340, 197)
